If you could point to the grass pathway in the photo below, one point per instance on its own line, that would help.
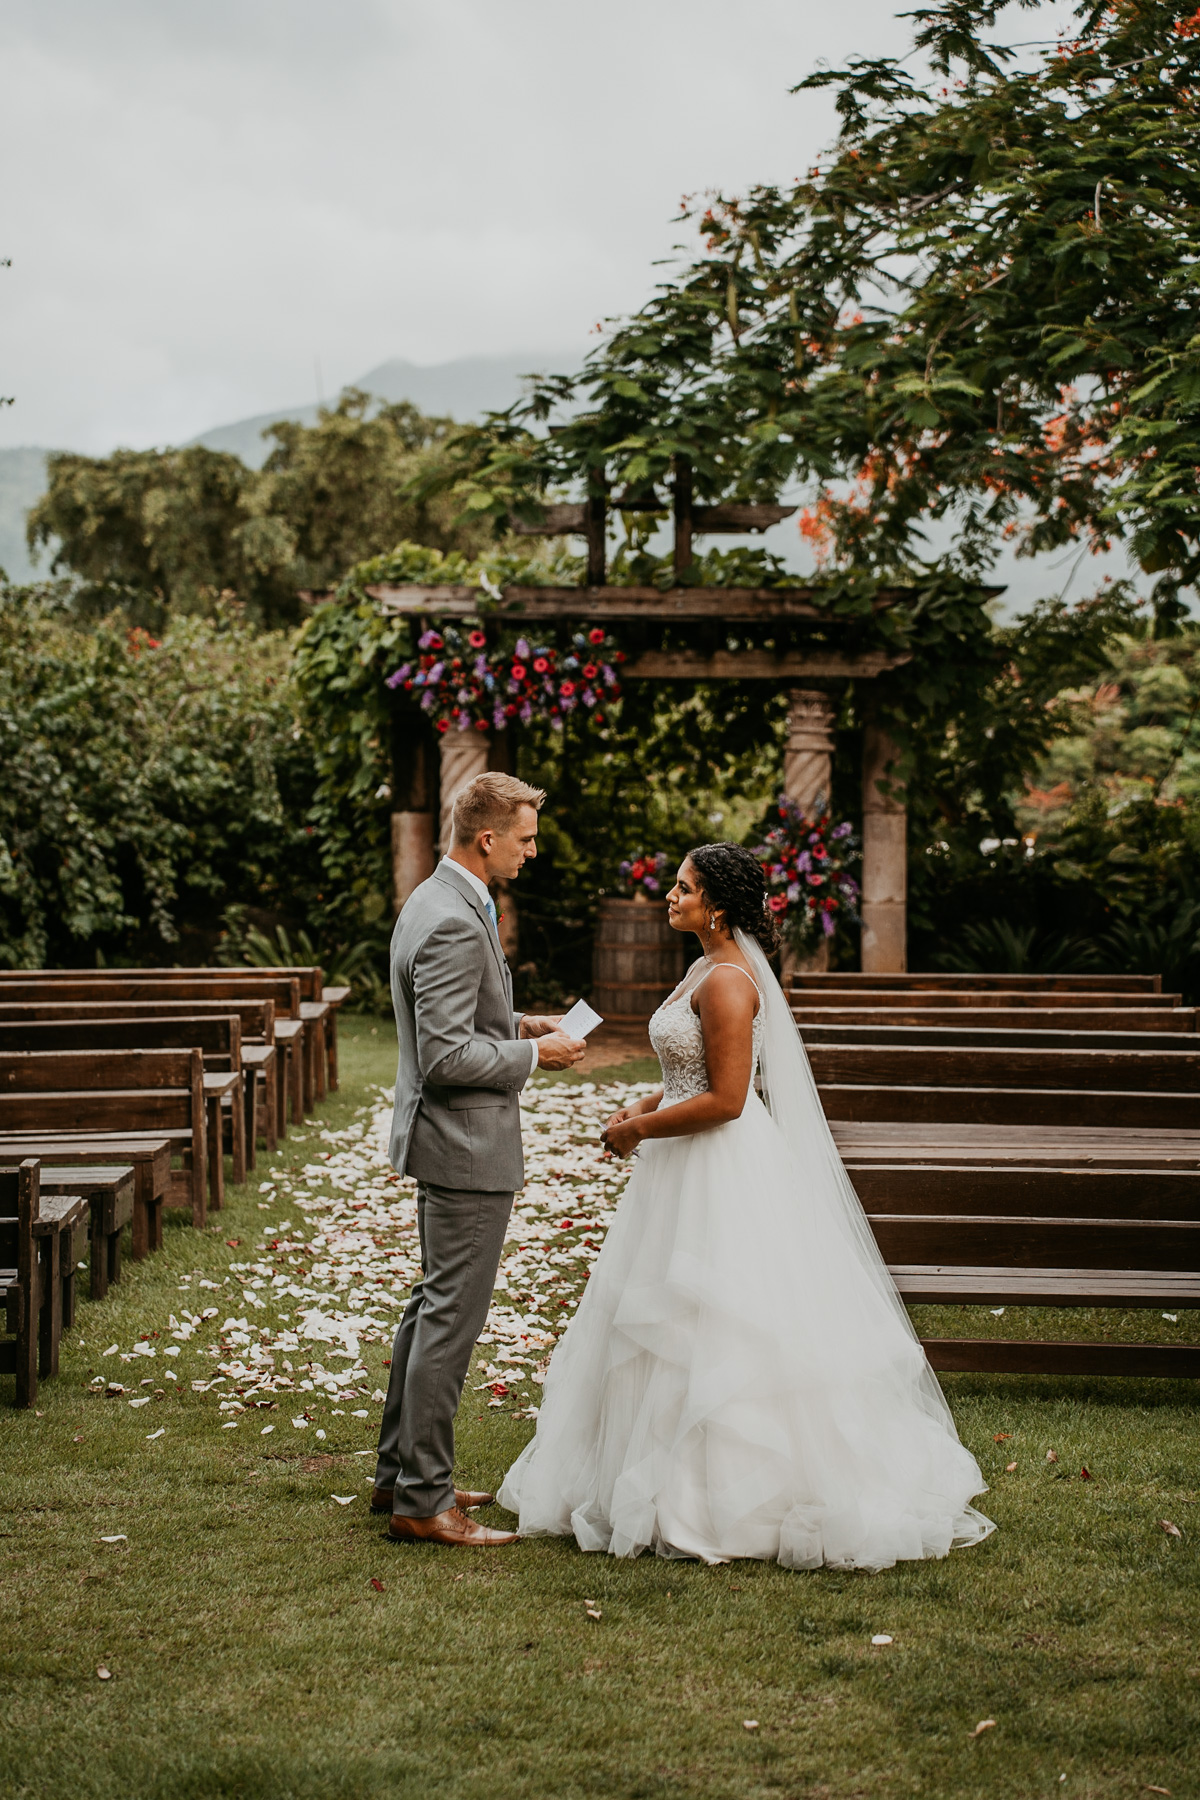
(263, 1640)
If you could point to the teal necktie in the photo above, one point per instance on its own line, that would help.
(492, 915)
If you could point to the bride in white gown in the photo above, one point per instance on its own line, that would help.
(741, 1378)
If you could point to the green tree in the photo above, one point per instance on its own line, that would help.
(177, 528)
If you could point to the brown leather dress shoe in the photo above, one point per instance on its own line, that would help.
(464, 1498)
(451, 1527)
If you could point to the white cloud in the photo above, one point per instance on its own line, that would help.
(204, 199)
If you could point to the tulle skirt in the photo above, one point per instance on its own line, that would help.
(734, 1384)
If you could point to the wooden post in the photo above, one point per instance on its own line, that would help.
(885, 857)
(413, 793)
(683, 515)
(808, 780)
(596, 527)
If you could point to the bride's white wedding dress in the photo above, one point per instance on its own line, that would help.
(741, 1378)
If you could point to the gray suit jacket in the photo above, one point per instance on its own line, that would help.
(457, 1119)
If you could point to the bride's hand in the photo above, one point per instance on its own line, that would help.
(621, 1135)
(618, 1118)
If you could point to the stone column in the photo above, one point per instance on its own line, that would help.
(413, 857)
(464, 755)
(808, 780)
(885, 857)
(501, 758)
(808, 753)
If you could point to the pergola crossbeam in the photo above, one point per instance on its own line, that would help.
(758, 665)
(599, 603)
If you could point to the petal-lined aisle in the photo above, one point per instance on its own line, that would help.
(302, 1317)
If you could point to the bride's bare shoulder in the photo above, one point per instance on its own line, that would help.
(728, 983)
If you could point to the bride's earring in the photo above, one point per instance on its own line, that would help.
(712, 921)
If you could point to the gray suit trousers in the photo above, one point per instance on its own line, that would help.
(462, 1234)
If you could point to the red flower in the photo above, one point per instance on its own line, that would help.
(540, 665)
(567, 689)
(481, 724)
(590, 671)
(443, 724)
(518, 671)
(777, 903)
(477, 639)
(637, 869)
(820, 852)
(595, 635)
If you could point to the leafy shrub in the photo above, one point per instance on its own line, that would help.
(149, 783)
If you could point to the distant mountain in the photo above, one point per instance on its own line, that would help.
(464, 389)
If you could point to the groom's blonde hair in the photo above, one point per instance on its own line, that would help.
(490, 803)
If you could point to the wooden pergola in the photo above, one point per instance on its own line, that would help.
(423, 789)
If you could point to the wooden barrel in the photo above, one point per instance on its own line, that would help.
(636, 960)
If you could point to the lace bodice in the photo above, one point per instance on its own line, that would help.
(678, 1040)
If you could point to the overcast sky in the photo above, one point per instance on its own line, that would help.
(205, 197)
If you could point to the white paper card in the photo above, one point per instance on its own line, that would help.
(580, 1020)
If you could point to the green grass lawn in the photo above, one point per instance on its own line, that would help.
(264, 1641)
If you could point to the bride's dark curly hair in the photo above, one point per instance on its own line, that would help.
(733, 883)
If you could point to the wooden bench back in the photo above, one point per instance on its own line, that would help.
(965, 1030)
(284, 990)
(1180, 1019)
(102, 1090)
(311, 978)
(862, 999)
(257, 1017)
(1057, 984)
(216, 1035)
(968, 1066)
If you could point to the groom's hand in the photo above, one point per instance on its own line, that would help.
(538, 1024)
(555, 1049)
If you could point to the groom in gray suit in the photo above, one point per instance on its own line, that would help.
(464, 1057)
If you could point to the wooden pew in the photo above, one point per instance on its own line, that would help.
(218, 1038)
(317, 1006)
(954, 1000)
(164, 1091)
(148, 1155)
(19, 1278)
(257, 1019)
(966, 1031)
(1009, 1087)
(947, 981)
(1176, 1019)
(291, 1032)
(1050, 1216)
(60, 1232)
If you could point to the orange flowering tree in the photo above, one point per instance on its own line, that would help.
(979, 308)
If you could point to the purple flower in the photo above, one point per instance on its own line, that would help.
(793, 893)
(610, 679)
(842, 830)
(526, 713)
(464, 721)
(650, 884)
(400, 675)
(522, 650)
(804, 860)
(499, 718)
(427, 700)
(435, 674)
(827, 924)
(589, 698)
(481, 666)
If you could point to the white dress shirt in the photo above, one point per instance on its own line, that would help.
(482, 890)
